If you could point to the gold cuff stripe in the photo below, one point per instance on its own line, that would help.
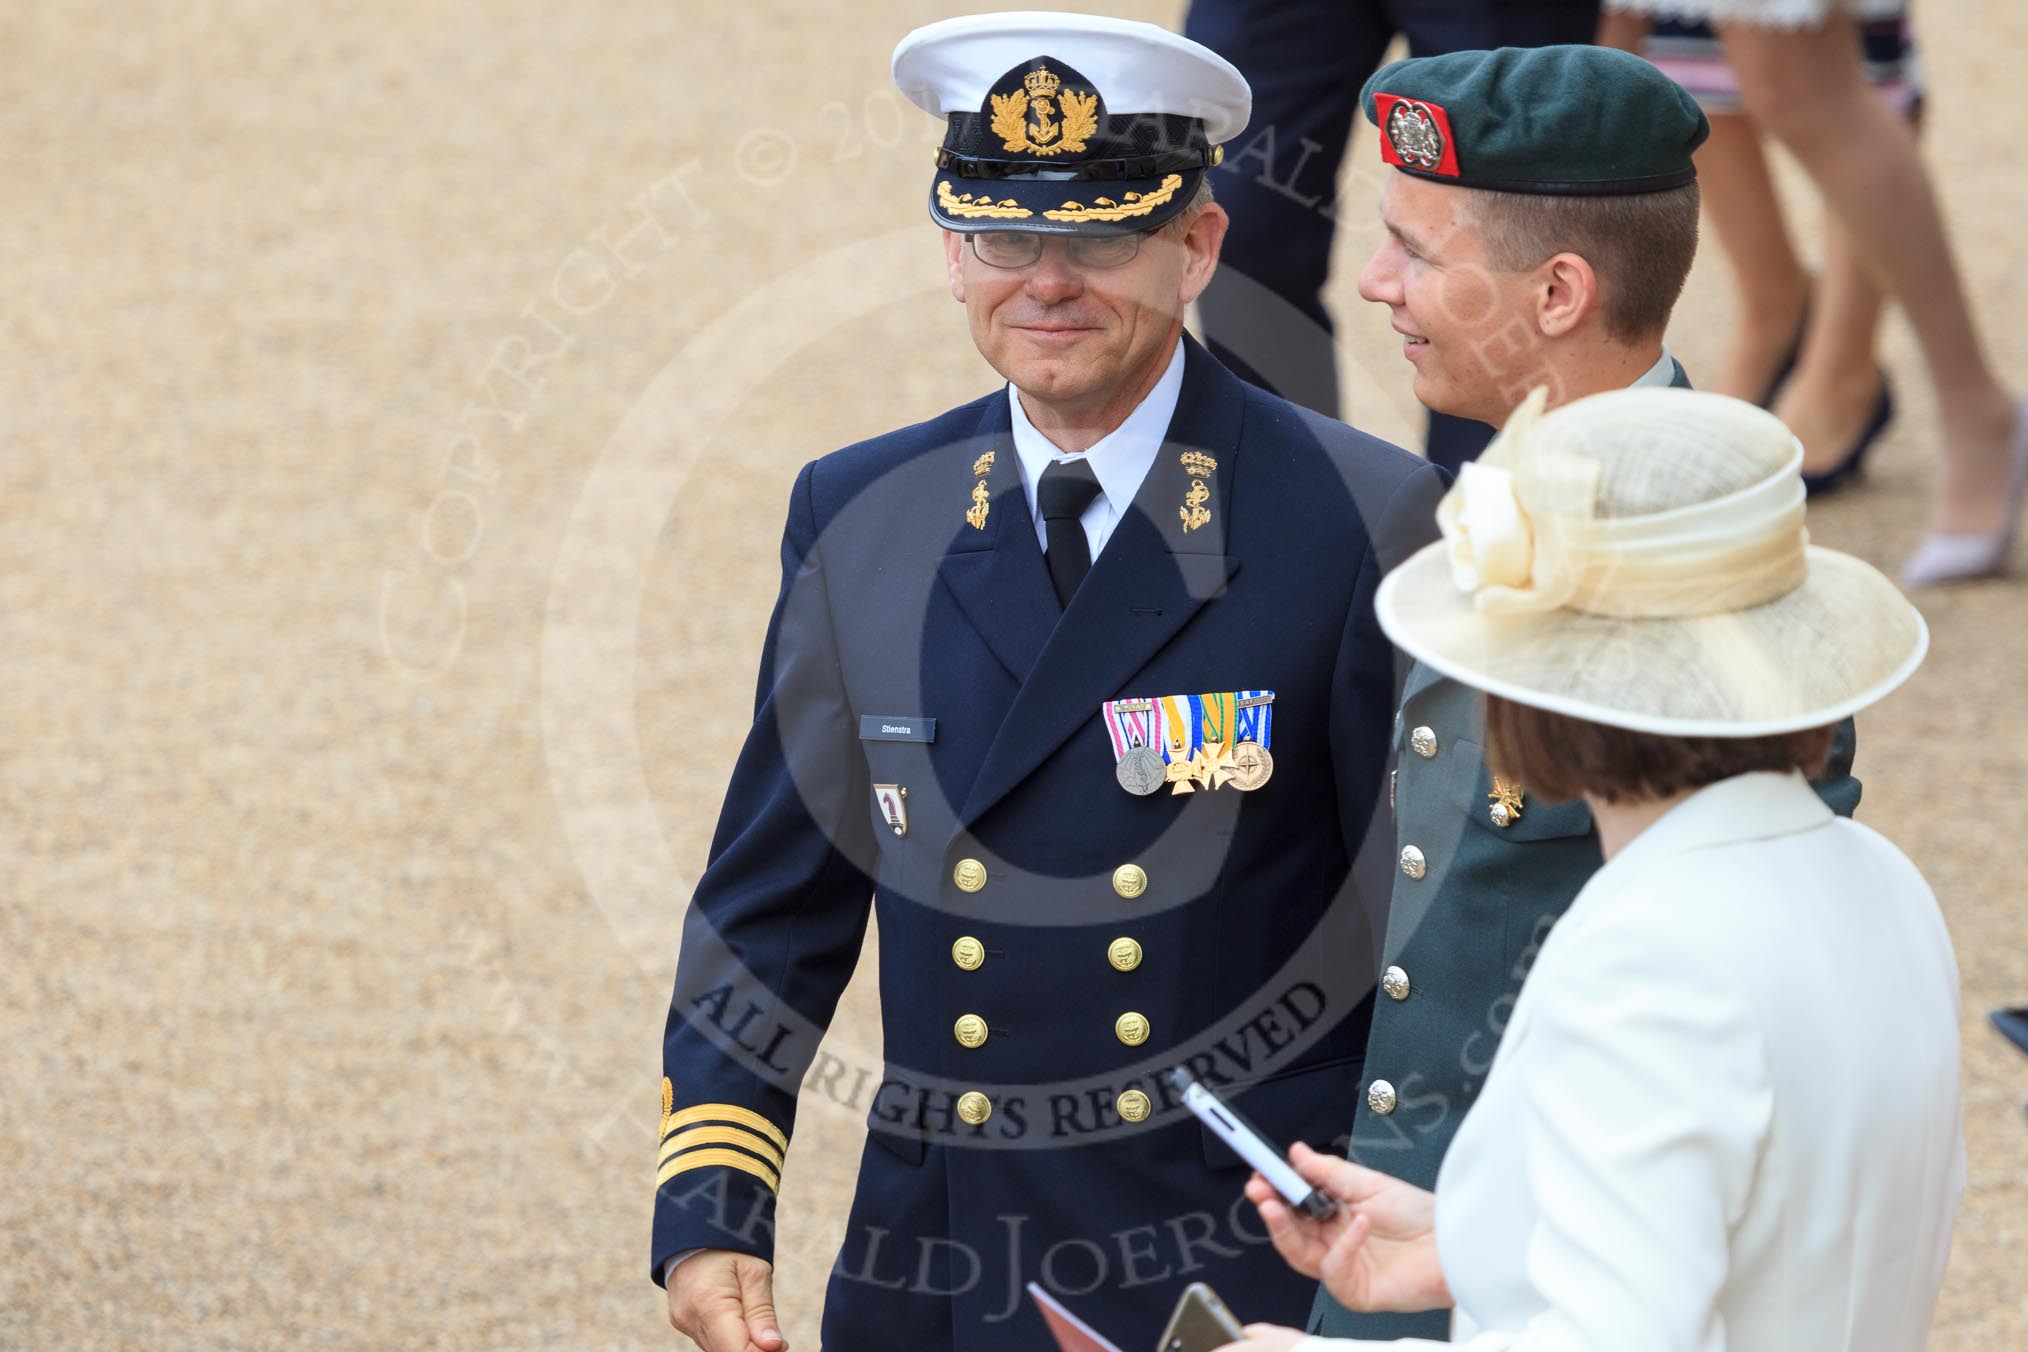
(724, 1112)
(698, 1159)
(739, 1136)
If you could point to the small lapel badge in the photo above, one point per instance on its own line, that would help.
(892, 800)
(1507, 799)
(981, 495)
(1193, 512)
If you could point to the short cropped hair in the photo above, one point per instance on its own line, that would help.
(1560, 758)
(1194, 207)
(1640, 245)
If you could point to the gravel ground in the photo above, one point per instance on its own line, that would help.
(399, 406)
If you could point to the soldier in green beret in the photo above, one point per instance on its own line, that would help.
(1540, 224)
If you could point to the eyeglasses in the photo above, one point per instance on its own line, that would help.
(1019, 248)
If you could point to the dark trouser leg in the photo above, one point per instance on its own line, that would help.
(1264, 312)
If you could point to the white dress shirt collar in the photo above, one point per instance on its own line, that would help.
(1660, 376)
(1120, 460)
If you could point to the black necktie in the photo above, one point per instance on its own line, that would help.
(1064, 491)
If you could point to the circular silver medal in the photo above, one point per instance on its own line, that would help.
(1140, 770)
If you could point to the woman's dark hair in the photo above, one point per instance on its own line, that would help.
(1560, 758)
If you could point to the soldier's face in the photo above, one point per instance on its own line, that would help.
(1079, 336)
(1467, 327)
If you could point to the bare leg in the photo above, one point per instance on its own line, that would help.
(1622, 29)
(1831, 396)
(1774, 289)
(1806, 87)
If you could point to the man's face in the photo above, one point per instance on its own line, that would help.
(1076, 336)
(1468, 328)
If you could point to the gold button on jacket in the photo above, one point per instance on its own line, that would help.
(1134, 1106)
(971, 1030)
(1130, 880)
(1412, 862)
(1124, 954)
(969, 875)
(974, 1107)
(1395, 982)
(1131, 1028)
(1379, 1097)
(968, 953)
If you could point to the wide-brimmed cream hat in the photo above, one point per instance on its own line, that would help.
(1638, 559)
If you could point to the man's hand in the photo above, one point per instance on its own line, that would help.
(1378, 1252)
(725, 1302)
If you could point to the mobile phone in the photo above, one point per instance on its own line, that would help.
(1251, 1146)
(1201, 1323)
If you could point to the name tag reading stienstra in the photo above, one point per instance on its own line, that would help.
(896, 728)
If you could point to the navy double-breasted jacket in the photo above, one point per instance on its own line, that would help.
(1030, 907)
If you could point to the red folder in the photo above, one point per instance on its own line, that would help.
(1072, 1334)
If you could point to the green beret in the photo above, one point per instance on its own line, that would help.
(1583, 121)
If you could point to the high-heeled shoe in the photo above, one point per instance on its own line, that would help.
(1941, 559)
(2013, 1025)
(1848, 468)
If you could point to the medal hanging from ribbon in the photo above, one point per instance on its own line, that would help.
(1137, 755)
(1253, 728)
(1191, 742)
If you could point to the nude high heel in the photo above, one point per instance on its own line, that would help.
(1942, 559)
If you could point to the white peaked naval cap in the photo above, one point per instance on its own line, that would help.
(947, 66)
(1068, 123)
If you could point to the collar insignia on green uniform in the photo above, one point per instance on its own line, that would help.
(1507, 799)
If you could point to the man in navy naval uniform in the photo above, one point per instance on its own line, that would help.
(1079, 687)
(1540, 210)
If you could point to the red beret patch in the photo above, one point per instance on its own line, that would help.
(1416, 135)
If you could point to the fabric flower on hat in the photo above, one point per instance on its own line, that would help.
(1516, 518)
(1486, 532)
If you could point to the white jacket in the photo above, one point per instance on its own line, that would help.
(1724, 1114)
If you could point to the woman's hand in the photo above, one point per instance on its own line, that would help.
(1377, 1253)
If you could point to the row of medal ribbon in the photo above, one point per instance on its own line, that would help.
(1192, 742)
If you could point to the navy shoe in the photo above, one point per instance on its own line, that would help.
(2013, 1025)
(1848, 468)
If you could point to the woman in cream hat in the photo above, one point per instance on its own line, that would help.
(1724, 1111)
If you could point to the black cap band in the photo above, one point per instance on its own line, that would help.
(1125, 146)
(1102, 171)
